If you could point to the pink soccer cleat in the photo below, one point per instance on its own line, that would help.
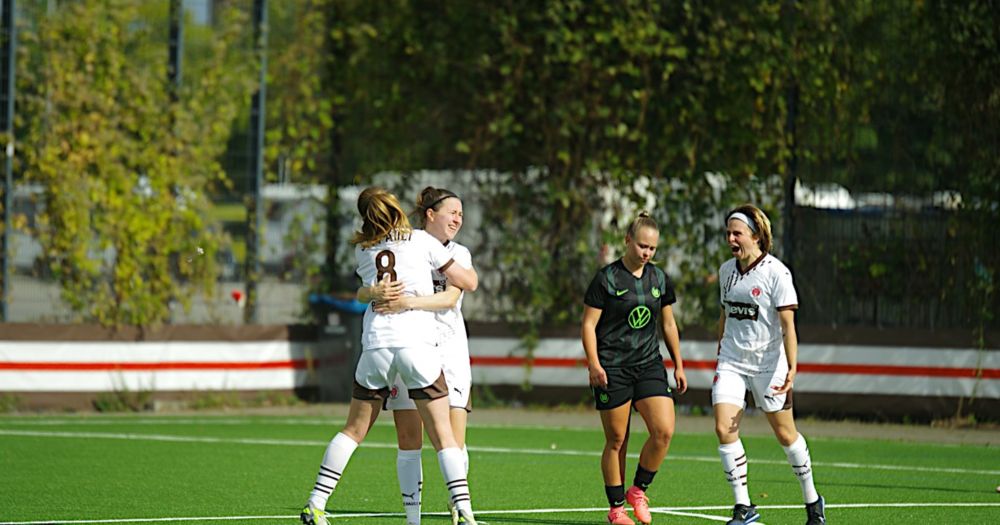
(617, 516)
(640, 504)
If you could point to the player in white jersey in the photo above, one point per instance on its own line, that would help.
(441, 215)
(758, 351)
(403, 344)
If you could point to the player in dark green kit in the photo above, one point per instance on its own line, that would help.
(627, 302)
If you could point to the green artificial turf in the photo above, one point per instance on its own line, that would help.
(259, 470)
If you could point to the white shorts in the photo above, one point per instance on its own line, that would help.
(458, 374)
(415, 367)
(730, 386)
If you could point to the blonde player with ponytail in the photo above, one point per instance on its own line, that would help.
(628, 303)
(758, 351)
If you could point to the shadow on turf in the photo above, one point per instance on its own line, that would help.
(494, 519)
(820, 486)
(485, 517)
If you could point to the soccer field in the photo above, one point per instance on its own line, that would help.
(259, 469)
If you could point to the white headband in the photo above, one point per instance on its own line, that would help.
(740, 216)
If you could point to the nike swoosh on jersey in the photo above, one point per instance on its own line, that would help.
(620, 293)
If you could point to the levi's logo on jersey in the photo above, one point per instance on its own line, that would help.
(742, 311)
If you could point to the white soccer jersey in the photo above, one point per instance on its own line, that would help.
(752, 340)
(453, 344)
(411, 262)
(452, 321)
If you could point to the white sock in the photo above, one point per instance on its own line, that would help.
(450, 460)
(465, 453)
(338, 453)
(798, 458)
(734, 463)
(411, 480)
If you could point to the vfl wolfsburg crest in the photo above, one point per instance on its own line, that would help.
(656, 293)
(638, 317)
(604, 397)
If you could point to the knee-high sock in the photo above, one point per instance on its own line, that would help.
(450, 460)
(338, 453)
(411, 480)
(734, 463)
(465, 455)
(798, 458)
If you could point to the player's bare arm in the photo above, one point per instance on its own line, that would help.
(445, 300)
(787, 317)
(671, 337)
(465, 278)
(598, 377)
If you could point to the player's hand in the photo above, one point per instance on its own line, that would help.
(386, 290)
(682, 380)
(598, 377)
(787, 385)
(391, 306)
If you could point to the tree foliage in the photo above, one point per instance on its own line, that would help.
(125, 169)
(687, 108)
(569, 116)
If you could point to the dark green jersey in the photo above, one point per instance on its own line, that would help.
(630, 313)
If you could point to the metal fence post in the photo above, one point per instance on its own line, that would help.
(7, 92)
(255, 200)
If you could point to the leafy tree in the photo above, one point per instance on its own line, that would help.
(125, 170)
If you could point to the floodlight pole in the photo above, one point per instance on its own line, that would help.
(255, 199)
(7, 91)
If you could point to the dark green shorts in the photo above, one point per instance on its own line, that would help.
(632, 384)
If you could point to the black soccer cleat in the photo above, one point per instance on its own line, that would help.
(744, 514)
(816, 512)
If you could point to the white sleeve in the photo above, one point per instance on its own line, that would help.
(463, 257)
(438, 255)
(784, 288)
(360, 259)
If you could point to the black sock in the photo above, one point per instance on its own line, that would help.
(616, 495)
(643, 478)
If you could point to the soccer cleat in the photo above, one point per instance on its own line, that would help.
(640, 504)
(744, 514)
(468, 519)
(816, 512)
(617, 516)
(453, 510)
(312, 516)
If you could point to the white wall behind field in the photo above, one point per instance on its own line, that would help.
(68, 366)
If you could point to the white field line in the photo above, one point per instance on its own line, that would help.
(680, 511)
(498, 450)
(332, 422)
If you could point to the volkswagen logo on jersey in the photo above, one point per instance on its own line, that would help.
(742, 311)
(638, 317)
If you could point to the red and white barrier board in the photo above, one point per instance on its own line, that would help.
(852, 369)
(65, 366)
(95, 366)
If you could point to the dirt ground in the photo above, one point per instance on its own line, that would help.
(755, 424)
